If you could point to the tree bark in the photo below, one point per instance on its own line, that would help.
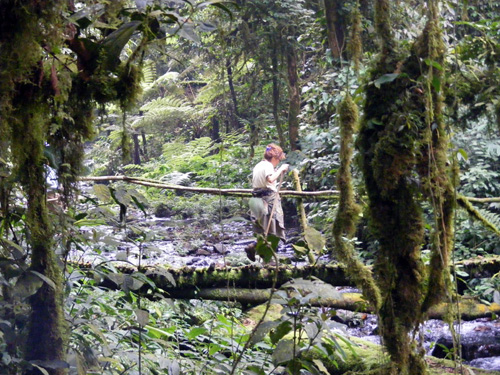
(215, 129)
(294, 98)
(137, 149)
(276, 90)
(47, 333)
(235, 115)
(335, 27)
(144, 145)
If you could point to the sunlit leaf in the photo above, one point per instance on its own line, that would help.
(102, 192)
(319, 364)
(195, 332)
(315, 240)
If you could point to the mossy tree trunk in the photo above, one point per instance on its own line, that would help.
(47, 330)
(26, 26)
(43, 103)
(402, 139)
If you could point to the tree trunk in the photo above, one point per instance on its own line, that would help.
(215, 129)
(137, 149)
(144, 145)
(46, 342)
(294, 98)
(335, 27)
(276, 91)
(235, 115)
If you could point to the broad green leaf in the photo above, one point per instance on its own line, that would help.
(122, 196)
(157, 271)
(221, 4)
(386, 78)
(280, 331)
(102, 192)
(113, 44)
(312, 330)
(315, 286)
(262, 330)
(195, 332)
(464, 154)
(45, 279)
(157, 333)
(434, 64)
(319, 364)
(264, 249)
(16, 250)
(315, 240)
(27, 285)
(224, 320)
(256, 370)
(187, 32)
(131, 283)
(283, 352)
(214, 348)
(436, 84)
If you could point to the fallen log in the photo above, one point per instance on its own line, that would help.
(322, 194)
(467, 309)
(480, 267)
(229, 285)
(260, 276)
(251, 276)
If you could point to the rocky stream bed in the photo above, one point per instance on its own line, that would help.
(178, 243)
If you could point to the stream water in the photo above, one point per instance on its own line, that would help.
(479, 339)
(188, 242)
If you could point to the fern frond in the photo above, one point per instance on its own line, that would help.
(167, 101)
(148, 75)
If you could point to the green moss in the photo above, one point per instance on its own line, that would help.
(348, 210)
(403, 159)
(355, 44)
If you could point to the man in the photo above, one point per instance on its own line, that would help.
(267, 220)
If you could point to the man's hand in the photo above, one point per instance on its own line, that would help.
(284, 168)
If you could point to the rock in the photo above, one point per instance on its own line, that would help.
(203, 252)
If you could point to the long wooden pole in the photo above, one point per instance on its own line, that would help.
(322, 194)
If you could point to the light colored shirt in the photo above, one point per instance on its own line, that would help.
(260, 173)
